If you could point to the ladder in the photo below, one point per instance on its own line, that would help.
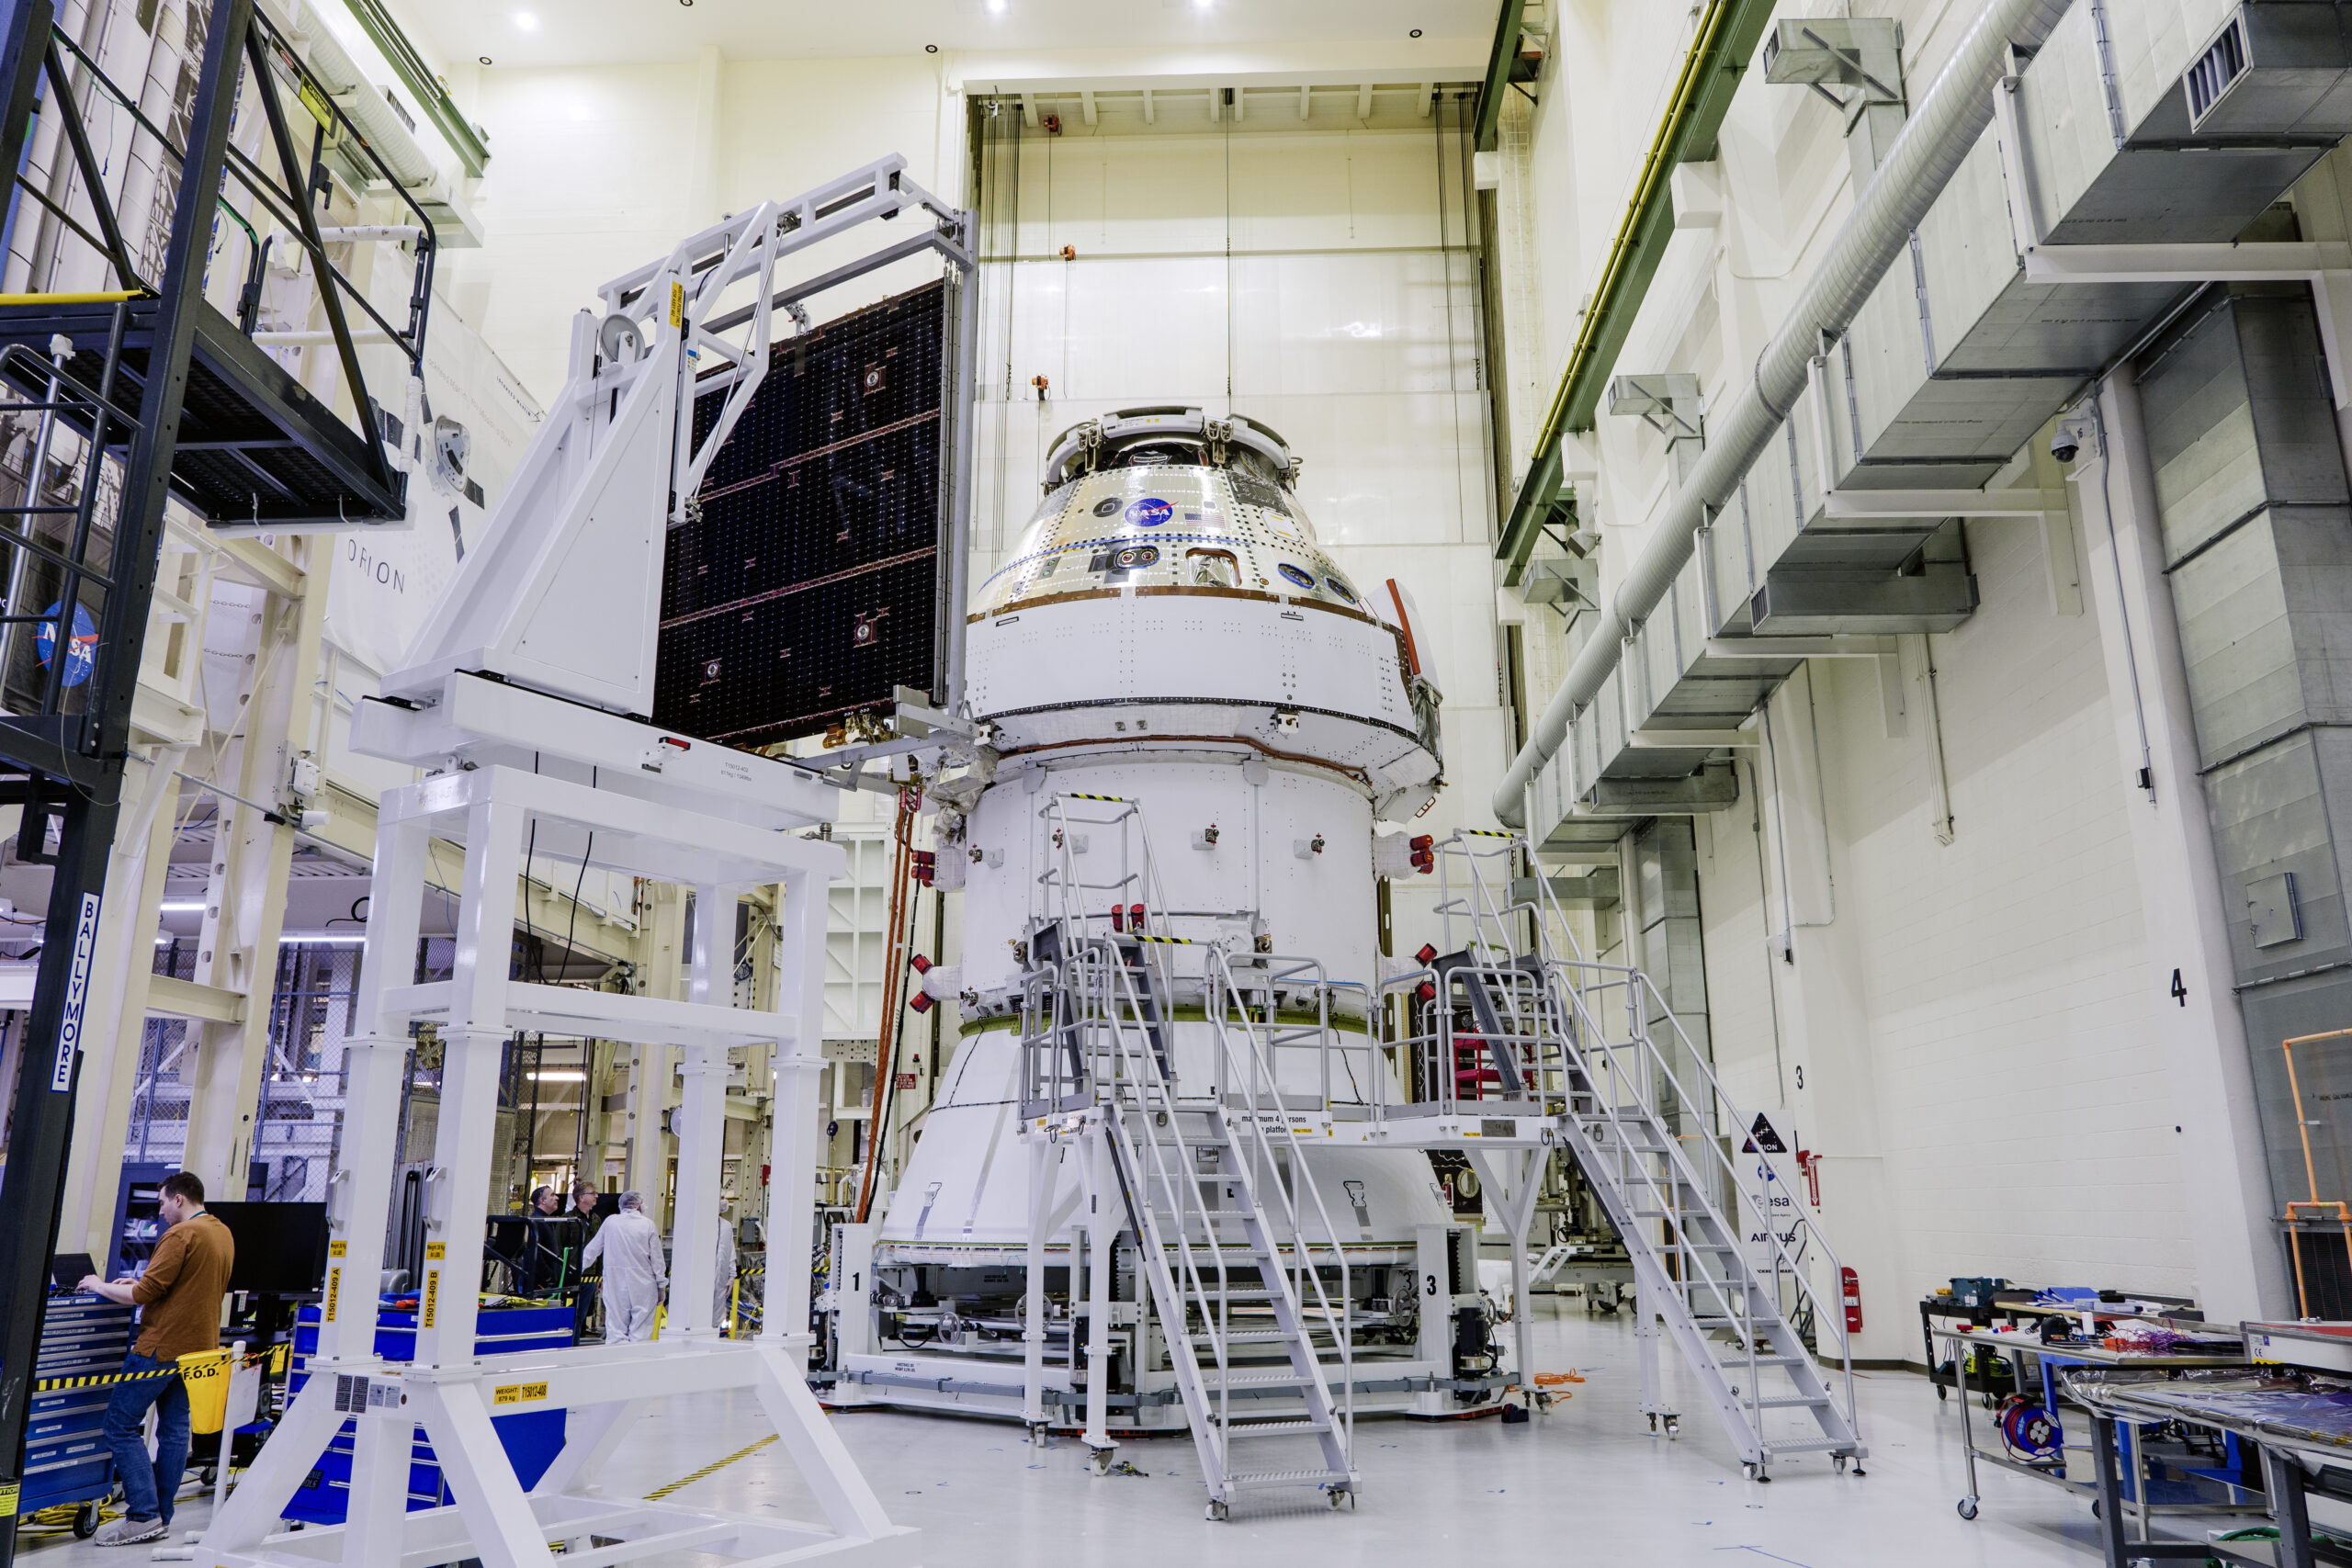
(1232, 1237)
(1638, 1107)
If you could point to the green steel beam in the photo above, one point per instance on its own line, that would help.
(1498, 63)
(1727, 39)
(424, 86)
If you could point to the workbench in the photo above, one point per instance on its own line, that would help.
(2285, 1420)
(2015, 1346)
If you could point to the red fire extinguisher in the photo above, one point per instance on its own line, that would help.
(1850, 1284)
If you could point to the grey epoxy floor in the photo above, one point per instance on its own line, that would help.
(1587, 1484)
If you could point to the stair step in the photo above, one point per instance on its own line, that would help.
(1811, 1446)
(1793, 1402)
(1286, 1378)
(1272, 1428)
(1241, 1336)
(1284, 1478)
(1737, 1362)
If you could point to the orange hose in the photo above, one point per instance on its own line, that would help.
(894, 964)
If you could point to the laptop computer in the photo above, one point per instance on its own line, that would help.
(67, 1270)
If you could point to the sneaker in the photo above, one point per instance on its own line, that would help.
(133, 1532)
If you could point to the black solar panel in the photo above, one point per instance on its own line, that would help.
(807, 588)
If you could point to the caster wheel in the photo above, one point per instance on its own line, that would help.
(1839, 1464)
(86, 1521)
(1653, 1423)
(1748, 1471)
(1674, 1426)
(1038, 1434)
(1336, 1493)
(2095, 1510)
(1942, 1393)
(1216, 1513)
(1102, 1460)
(1968, 1507)
(209, 1476)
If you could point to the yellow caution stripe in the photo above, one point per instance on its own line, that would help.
(1487, 833)
(1170, 941)
(660, 1492)
(102, 1380)
(1113, 799)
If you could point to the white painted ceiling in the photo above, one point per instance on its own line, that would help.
(589, 32)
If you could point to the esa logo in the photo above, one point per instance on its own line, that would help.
(1149, 513)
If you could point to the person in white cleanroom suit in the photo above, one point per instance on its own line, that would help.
(630, 1246)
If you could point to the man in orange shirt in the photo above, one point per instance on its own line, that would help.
(179, 1297)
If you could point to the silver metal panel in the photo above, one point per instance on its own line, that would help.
(2237, 642)
(2270, 816)
(2200, 425)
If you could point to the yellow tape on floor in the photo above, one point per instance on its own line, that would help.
(660, 1492)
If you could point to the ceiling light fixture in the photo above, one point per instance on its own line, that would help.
(1417, 32)
(484, 59)
(996, 7)
(526, 21)
(930, 48)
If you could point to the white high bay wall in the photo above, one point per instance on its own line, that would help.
(1316, 276)
(1938, 922)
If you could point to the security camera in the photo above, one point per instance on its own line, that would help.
(2071, 435)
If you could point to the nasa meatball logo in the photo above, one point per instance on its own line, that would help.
(1149, 513)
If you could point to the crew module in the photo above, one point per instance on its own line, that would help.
(1199, 731)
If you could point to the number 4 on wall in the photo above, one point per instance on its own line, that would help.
(2179, 991)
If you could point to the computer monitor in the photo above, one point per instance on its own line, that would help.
(281, 1247)
(67, 1270)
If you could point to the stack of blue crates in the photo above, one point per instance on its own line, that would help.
(65, 1449)
(532, 1439)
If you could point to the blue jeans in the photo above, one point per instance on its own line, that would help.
(148, 1486)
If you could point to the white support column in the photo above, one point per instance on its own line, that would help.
(701, 1121)
(1435, 1339)
(2240, 1273)
(116, 1022)
(1102, 1220)
(381, 1455)
(359, 1194)
(792, 1175)
(472, 1045)
(245, 900)
(474, 1464)
(1044, 1158)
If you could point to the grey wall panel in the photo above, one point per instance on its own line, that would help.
(2200, 432)
(2274, 1013)
(2294, 417)
(2237, 642)
(2271, 812)
(2313, 544)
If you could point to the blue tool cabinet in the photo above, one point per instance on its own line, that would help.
(532, 1439)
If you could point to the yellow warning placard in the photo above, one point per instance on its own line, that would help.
(338, 1249)
(335, 1292)
(432, 1296)
(518, 1394)
(435, 1251)
(677, 304)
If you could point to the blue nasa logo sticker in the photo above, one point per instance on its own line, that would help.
(81, 645)
(1149, 513)
(1303, 578)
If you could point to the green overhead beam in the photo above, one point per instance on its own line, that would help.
(1498, 63)
(424, 86)
(1727, 39)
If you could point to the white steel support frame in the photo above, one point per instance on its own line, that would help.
(449, 1389)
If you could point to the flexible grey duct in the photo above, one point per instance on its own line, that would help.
(1947, 123)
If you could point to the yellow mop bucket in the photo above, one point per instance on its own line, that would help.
(205, 1374)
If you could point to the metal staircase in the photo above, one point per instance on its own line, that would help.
(1245, 1271)
(1640, 1110)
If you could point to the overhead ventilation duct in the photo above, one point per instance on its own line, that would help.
(386, 131)
(1939, 366)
